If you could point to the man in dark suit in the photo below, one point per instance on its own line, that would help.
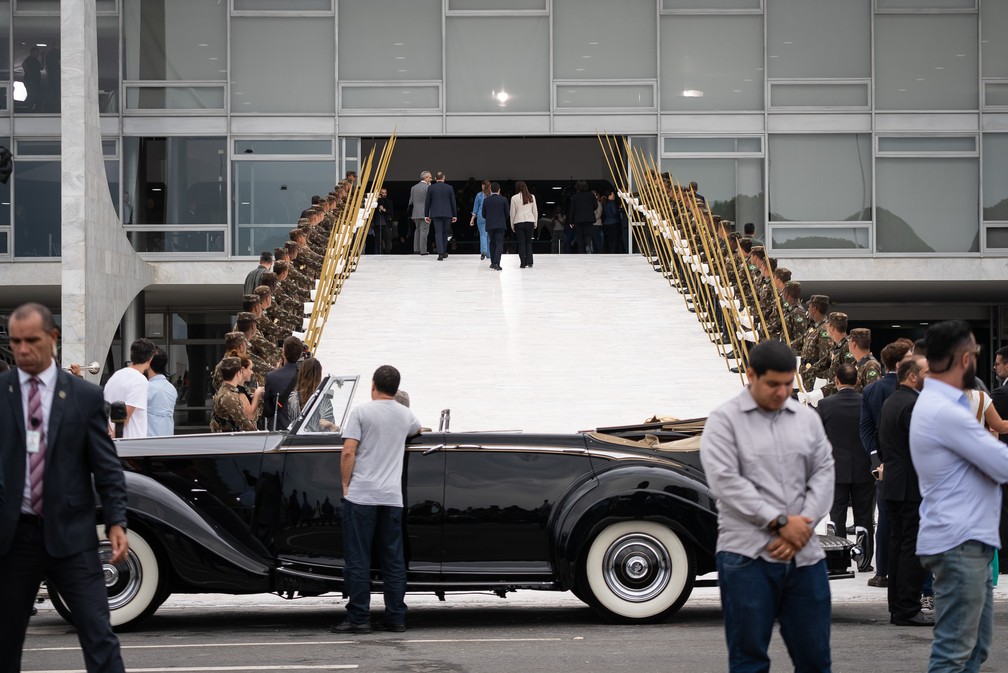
(54, 445)
(280, 383)
(442, 210)
(496, 214)
(902, 494)
(854, 484)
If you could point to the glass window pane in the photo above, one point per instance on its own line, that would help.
(112, 178)
(995, 94)
(820, 238)
(818, 38)
(997, 238)
(697, 77)
(926, 62)
(733, 188)
(911, 219)
(937, 144)
(175, 180)
(701, 5)
(993, 46)
(604, 96)
(402, 97)
(37, 147)
(283, 146)
(174, 98)
(283, 5)
(410, 45)
(586, 48)
(820, 178)
(37, 209)
(5, 194)
(270, 195)
(5, 71)
(882, 5)
(995, 176)
(177, 240)
(496, 5)
(4, 241)
(719, 145)
(818, 95)
(477, 79)
(273, 70)
(174, 40)
(53, 6)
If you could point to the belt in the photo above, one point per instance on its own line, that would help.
(30, 519)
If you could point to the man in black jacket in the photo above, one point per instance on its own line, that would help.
(56, 453)
(442, 210)
(496, 212)
(581, 215)
(854, 485)
(902, 494)
(280, 383)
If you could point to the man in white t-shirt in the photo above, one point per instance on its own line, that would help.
(129, 385)
(374, 440)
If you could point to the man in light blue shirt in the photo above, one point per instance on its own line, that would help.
(960, 466)
(161, 397)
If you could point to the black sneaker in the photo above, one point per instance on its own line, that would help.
(347, 626)
(394, 628)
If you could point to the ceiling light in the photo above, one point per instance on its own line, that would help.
(692, 93)
(41, 44)
(203, 44)
(397, 44)
(20, 92)
(501, 96)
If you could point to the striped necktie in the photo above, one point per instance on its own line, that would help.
(36, 462)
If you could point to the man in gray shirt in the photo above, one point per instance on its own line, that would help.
(770, 466)
(371, 465)
(417, 204)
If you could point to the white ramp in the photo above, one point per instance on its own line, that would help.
(576, 342)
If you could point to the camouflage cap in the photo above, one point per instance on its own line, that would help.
(819, 298)
(860, 333)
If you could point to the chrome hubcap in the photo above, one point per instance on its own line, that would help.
(123, 579)
(637, 567)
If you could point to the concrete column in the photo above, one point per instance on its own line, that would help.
(101, 273)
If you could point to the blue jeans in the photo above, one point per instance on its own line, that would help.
(484, 240)
(756, 593)
(381, 525)
(964, 607)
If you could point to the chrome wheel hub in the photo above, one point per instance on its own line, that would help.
(123, 579)
(637, 567)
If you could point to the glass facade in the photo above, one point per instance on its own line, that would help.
(830, 125)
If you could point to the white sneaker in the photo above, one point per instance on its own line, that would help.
(927, 602)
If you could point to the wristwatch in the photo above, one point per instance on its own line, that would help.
(778, 523)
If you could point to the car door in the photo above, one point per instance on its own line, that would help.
(310, 531)
(498, 500)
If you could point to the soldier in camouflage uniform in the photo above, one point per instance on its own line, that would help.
(794, 316)
(836, 326)
(232, 412)
(869, 369)
(235, 346)
(246, 324)
(817, 342)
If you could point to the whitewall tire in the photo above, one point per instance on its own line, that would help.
(637, 571)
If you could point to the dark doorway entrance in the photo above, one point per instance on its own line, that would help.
(549, 166)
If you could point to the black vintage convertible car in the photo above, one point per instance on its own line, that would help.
(623, 518)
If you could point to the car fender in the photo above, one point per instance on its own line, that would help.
(626, 492)
(160, 508)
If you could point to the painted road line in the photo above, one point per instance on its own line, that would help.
(289, 643)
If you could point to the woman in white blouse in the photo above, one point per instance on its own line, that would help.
(524, 215)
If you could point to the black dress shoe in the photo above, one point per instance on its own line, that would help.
(523, 266)
(498, 268)
(733, 370)
(347, 626)
(440, 257)
(917, 620)
(394, 628)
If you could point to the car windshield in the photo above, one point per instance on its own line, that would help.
(327, 409)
